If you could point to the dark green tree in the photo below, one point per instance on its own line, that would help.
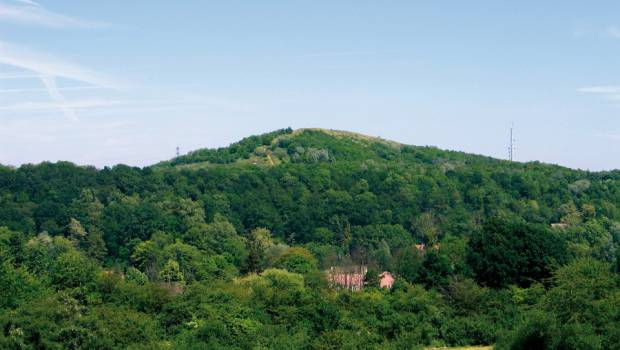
(510, 251)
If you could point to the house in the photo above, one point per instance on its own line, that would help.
(386, 280)
(559, 225)
(351, 278)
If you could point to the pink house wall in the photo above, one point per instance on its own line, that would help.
(386, 280)
(353, 278)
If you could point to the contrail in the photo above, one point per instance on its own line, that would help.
(48, 69)
(26, 12)
(42, 64)
(52, 89)
(29, 2)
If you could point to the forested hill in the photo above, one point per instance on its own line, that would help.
(396, 177)
(322, 145)
(226, 248)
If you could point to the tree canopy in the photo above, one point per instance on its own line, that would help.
(229, 248)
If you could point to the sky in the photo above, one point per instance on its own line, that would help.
(117, 81)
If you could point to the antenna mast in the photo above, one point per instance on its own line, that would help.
(178, 151)
(511, 144)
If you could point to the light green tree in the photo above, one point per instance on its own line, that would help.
(259, 241)
(171, 272)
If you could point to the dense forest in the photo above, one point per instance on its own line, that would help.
(228, 249)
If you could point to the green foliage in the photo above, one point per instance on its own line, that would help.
(371, 279)
(16, 286)
(171, 272)
(580, 311)
(90, 243)
(240, 150)
(136, 276)
(513, 252)
(259, 242)
(71, 269)
(61, 323)
(298, 260)
(409, 263)
(376, 242)
(145, 256)
(435, 270)
(580, 289)
(228, 249)
(542, 331)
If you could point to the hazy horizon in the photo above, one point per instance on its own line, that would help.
(184, 152)
(116, 82)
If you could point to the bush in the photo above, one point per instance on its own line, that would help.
(136, 276)
(298, 260)
(72, 269)
(537, 332)
(514, 252)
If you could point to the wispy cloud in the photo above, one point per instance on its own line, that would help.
(122, 106)
(335, 54)
(610, 92)
(28, 2)
(42, 64)
(613, 31)
(50, 106)
(610, 135)
(596, 31)
(52, 89)
(48, 69)
(600, 89)
(67, 88)
(7, 76)
(26, 12)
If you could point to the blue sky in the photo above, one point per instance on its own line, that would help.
(127, 81)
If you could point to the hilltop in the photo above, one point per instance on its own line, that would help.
(288, 145)
(316, 145)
